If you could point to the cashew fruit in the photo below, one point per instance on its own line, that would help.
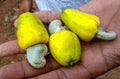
(83, 24)
(65, 47)
(30, 31)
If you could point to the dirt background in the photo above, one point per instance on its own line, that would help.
(7, 33)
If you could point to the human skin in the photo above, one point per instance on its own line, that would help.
(98, 56)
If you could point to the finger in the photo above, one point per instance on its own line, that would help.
(15, 23)
(26, 6)
(45, 16)
(10, 48)
(48, 16)
(76, 72)
(91, 7)
(23, 70)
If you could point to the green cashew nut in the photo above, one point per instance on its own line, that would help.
(102, 34)
(56, 26)
(35, 55)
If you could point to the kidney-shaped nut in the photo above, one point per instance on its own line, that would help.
(104, 35)
(56, 26)
(35, 55)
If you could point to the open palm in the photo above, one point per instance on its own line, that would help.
(97, 57)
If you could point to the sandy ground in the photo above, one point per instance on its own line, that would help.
(7, 33)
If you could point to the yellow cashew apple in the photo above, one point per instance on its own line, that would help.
(30, 30)
(83, 24)
(65, 47)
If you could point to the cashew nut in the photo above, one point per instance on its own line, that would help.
(56, 26)
(102, 34)
(35, 55)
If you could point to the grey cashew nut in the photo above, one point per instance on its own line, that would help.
(35, 55)
(102, 34)
(56, 26)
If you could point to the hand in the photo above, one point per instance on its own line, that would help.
(97, 56)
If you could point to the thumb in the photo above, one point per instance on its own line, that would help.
(91, 7)
(48, 16)
(104, 10)
(45, 16)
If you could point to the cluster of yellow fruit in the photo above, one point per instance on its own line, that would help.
(64, 44)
